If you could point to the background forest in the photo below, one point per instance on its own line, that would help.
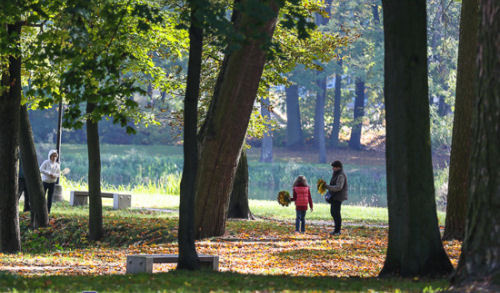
(337, 97)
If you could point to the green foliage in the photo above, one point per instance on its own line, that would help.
(441, 131)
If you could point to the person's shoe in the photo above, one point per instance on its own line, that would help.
(335, 233)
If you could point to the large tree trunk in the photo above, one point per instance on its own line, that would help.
(414, 246)
(238, 204)
(319, 120)
(94, 157)
(294, 134)
(227, 120)
(334, 139)
(480, 258)
(188, 259)
(10, 100)
(34, 185)
(266, 151)
(458, 184)
(359, 112)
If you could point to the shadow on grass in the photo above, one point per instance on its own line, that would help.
(204, 281)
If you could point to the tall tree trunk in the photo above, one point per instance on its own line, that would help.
(266, 151)
(188, 259)
(94, 155)
(59, 133)
(359, 112)
(232, 104)
(238, 204)
(31, 170)
(414, 246)
(319, 120)
(10, 100)
(336, 106)
(480, 258)
(294, 134)
(458, 184)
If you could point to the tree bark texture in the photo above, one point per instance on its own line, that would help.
(59, 133)
(31, 171)
(294, 134)
(359, 112)
(238, 204)
(266, 151)
(480, 258)
(319, 120)
(10, 100)
(227, 120)
(334, 139)
(94, 178)
(458, 184)
(414, 244)
(188, 258)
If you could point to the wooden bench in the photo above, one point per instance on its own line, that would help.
(143, 263)
(120, 201)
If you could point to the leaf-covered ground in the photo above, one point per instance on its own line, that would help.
(267, 247)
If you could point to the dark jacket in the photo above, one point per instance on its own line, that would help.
(338, 186)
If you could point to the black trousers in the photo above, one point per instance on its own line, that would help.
(50, 187)
(335, 212)
(23, 188)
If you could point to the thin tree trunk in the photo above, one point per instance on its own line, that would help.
(336, 106)
(414, 246)
(31, 170)
(238, 204)
(266, 151)
(225, 127)
(295, 137)
(479, 262)
(10, 100)
(458, 184)
(59, 133)
(319, 120)
(94, 177)
(188, 259)
(359, 112)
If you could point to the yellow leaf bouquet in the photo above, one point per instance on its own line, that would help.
(321, 186)
(284, 198)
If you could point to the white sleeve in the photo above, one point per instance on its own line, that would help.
(58, 171)
(44, 168)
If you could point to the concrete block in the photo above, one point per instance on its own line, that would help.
(139, 264)
(122, 201)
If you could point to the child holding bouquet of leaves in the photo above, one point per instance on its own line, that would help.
(302, 197)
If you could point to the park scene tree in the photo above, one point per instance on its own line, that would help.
(185, 130)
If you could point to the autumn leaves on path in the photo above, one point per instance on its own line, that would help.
(250, 247)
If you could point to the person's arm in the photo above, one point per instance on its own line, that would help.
(294, 195)
(310, 199)
(58, 171)
(44, 170)
(338, 185)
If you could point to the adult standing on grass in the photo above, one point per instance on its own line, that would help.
(50, 171)
(338, 189)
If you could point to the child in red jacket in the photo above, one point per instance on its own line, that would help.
(301, 196)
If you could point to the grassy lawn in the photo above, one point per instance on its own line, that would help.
(261, 255)
(260, 208)
(177, 281)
